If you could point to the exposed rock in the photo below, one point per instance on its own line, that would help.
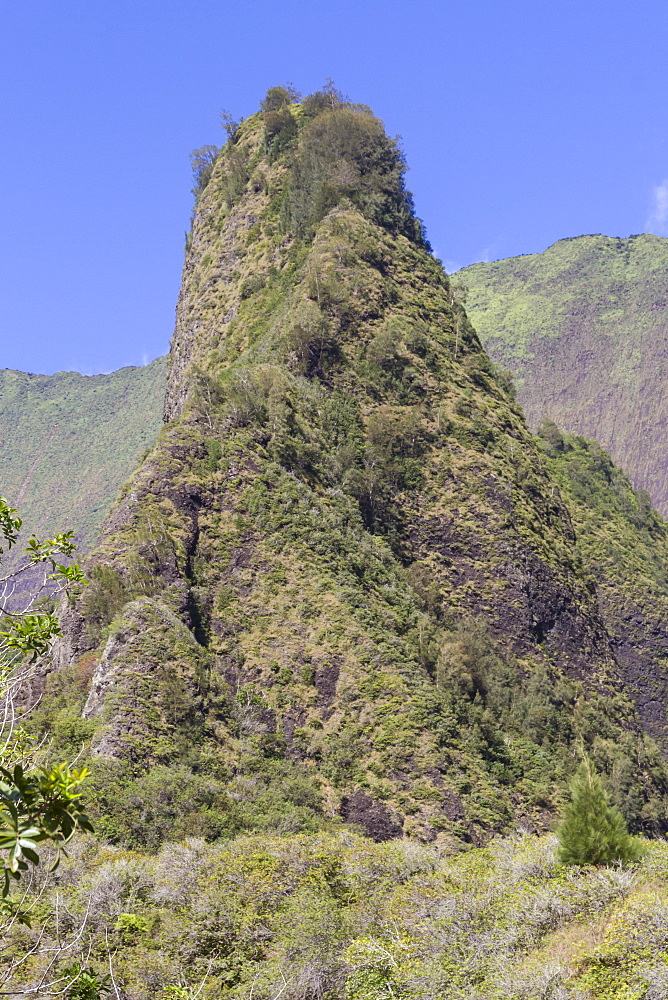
(584, 328)
(374, 817)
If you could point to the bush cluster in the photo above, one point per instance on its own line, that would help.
(335, 915)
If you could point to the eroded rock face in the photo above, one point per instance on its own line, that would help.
(373, 817)
(149, 653)
(622, 544)
(640, 644)
(192, 327)
(530, 603)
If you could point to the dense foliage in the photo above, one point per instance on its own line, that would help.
(335, 915)
(345, 153)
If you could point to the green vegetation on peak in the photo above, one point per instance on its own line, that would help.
(583, 326)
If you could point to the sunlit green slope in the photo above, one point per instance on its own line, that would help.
(584, 328)
(69, 441)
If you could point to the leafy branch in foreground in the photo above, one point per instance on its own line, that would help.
(37, 804)
(27, 629)
(35, 807)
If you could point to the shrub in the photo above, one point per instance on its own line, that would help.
(552, 438)
(130, 926)
(311, 340)
(234, 175)
(385, 348)
(505, 379)
(88, 985)
(592, 831)
(346, 154)
(280, 128)
(202, 161)
(326, 99)
(277, 98)
(280, 125)
(252, 285)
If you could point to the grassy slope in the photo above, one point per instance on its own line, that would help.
(584, 328)
(68, 442)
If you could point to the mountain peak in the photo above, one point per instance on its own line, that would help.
(346, 560)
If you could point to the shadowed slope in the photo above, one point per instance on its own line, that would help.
(623, 543)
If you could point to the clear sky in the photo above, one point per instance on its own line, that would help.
(522, 121)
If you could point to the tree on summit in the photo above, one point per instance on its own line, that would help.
(279, 97)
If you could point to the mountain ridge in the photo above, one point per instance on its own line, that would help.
(68, 441)
(583, 328)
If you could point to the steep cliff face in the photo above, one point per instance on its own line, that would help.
(584, 328)
(623, 543)
(345, 570)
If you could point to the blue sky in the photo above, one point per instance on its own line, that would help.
(523, 122)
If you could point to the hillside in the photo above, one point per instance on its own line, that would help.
(350, 627)
(335, 915)
(623, 543)
(584, 328)
(68, 442)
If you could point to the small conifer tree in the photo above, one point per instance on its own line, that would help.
(592, 831)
